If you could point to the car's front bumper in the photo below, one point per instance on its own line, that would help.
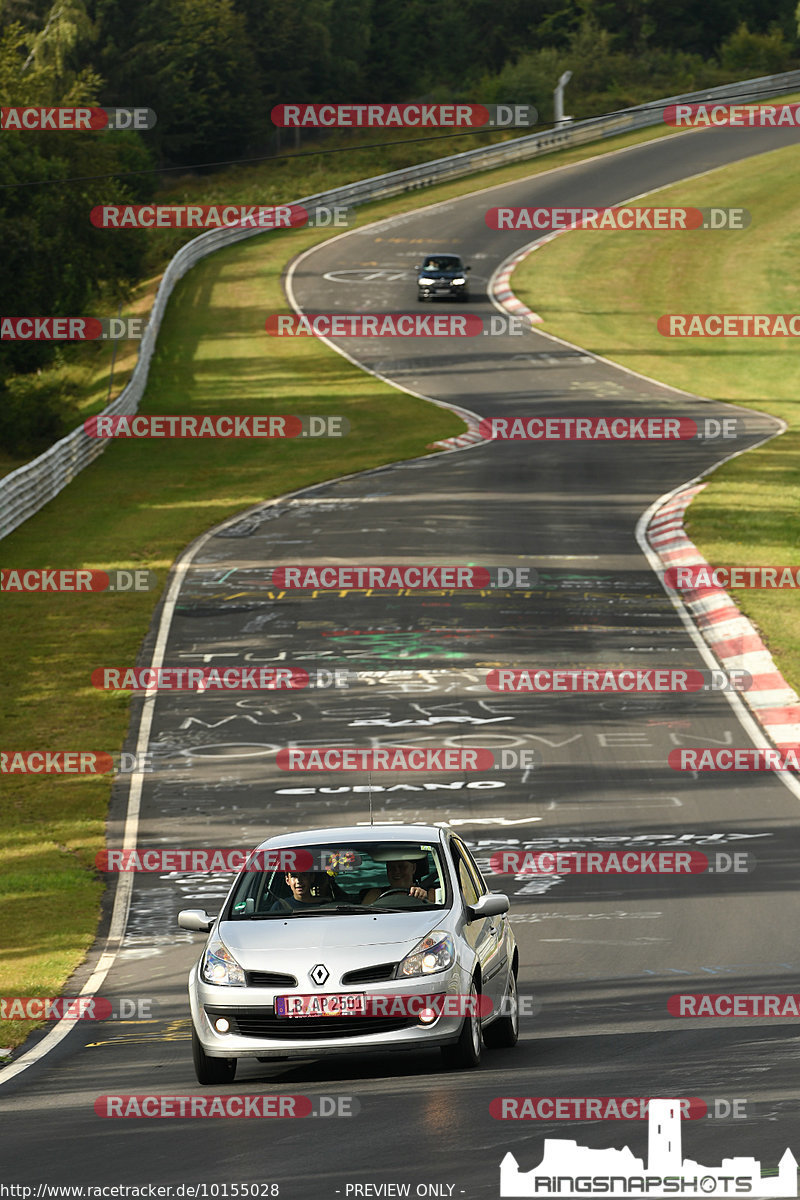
(256, 1032)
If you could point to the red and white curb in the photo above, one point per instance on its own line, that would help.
(501, 285)
(733, 639)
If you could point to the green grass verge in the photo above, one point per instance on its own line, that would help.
(141, 503)
(605, 291)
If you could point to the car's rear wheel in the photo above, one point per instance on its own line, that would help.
(466, 1052)
(504, 1031)
(208, 1069)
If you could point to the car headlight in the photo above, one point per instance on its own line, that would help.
(459, 280)
(220, 967)
(425, 279)
(434, 953)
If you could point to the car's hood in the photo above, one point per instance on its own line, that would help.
(440, 274)
(402, 930)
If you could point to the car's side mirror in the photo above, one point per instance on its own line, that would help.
(492, 904)
(196, 919)
(467, 268)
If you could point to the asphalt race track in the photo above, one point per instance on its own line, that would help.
(600, 955)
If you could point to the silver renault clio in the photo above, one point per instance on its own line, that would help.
(380, 937)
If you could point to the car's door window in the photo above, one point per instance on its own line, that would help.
(467, 883)
(474, 869)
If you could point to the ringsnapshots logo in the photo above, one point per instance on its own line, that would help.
(608, 429)
(619, 218)
(404, 116)
(402, 577)
(393, 325)
(39, 579)
(567, 1169)
(217, 216)
(750, 116)
(70, 329)
(64, 118)
(223, 426)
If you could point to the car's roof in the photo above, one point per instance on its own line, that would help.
(352, 833)
(441, 254)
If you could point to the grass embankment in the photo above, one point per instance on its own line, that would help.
(606, 290)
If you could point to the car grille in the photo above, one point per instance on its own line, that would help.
(269, 979)
(262, 1023)
(377, 974)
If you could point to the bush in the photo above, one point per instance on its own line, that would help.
(747, 54)
(34, 412)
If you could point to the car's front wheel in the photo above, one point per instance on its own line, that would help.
(466, 1052)
(504, 1031)
(208, 1069)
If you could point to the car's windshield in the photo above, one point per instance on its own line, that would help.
(362, 876)
(444, 262)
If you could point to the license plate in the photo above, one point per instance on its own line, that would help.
(345, 1004)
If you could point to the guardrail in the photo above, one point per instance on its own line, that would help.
(24, 491)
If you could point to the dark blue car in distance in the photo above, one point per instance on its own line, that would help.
(442, 275)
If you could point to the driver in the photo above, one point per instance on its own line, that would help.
(400, 877)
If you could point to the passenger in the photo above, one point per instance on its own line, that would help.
(307, 887)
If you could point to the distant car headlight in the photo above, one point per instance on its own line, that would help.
(425, 279)
(458, 280)
(220, 967)
(434, 953)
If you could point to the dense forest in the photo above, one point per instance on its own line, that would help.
(213, 69)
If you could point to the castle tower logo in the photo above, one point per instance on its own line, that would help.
(568, 1169)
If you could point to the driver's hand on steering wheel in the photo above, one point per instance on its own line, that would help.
(418, 892)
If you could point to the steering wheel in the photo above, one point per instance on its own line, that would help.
(402, 891)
